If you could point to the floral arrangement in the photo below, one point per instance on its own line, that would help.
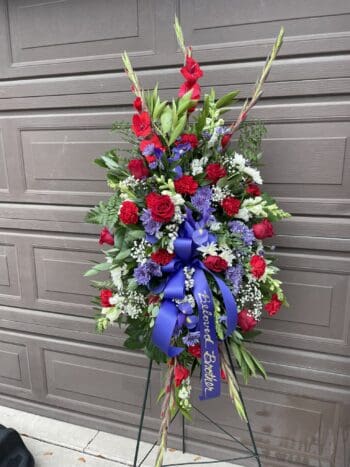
(184, 230)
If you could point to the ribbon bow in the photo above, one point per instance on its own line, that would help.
(185, 248)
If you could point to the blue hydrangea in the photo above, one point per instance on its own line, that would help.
(246, 234)
(150, 225)
(202, 198)
(144, 273)
(234, 275)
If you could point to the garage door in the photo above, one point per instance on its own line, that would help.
(61, 87)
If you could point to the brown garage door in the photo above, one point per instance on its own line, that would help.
(61, 87)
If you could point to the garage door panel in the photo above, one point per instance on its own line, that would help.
(9, 272)
(14, 367)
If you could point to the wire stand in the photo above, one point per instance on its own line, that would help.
(252, 452)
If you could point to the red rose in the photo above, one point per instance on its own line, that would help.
(180, 373)
(186, 185)
(191, 71)
(215, 263)
(162, 256)
(138, 169)
(253, 190)
(231, 205)
(214, 172)
(105, 295)
(188, 138)
(257, 266)
(225, 140)
(152, 139)
(195, 350)
(187, 86)
(129, 213)
(106, 237)
(273, 306)
(151, 199)
(246, 321)
(263, 229)
(162, 209)
(141, 124)
(138, 104)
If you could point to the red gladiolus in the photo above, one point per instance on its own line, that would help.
(191, 71)
(186, 185)
(105, 295)
(273, 306)
(152, 139)
(223, 375)
(246, 321)
(162, 256)
(180, 373)
(257, 266)
(231, 205)
(106, 237)
(138, 169)
(225, 140)
(215, 263)
(195, 350)
(187, 86)
(138, 104)
(263, 229)
(141, 124)
(129, 213)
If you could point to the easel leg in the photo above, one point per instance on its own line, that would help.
(244, 407)
(143, 413)
(183, 436)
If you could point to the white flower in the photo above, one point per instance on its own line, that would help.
(243, 214)
(197, 165)
(219, 193)
(227, 255)
(215, 226)
(254, 174)
(254, 206)
(183, 393)
(117, 274)
(176, 198)
(239, 161)
(210, 249)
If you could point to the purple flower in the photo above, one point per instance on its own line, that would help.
(246, 234)
(144, 273)
(191, 338)
(150, 225)
(234, 275)
(179, 150)
(201, 199)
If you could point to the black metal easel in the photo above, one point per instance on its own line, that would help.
(253, 453)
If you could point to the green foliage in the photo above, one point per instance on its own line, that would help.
(250, 138)
(249, 365)
(140, 337)
(105, 213)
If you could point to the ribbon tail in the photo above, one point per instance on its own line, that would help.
(164, 329)
(210, 361)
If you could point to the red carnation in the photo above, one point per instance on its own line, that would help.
(162, 208)
(138, 104)
(129, 213)
(105, 295)
(273, 306)
(253, 190)
(152, 139)
(150, 159)
(215, 263)
(263, 229)
(191, 71)
(141, 124)
(231, 205)
(214, 172)
(106, 237)
(195, 350)
(257, 266)
(188, 138)
(187, 86)
(186, 185)
(246, 321)
(162, 256)
(180, 373)
(138, 169)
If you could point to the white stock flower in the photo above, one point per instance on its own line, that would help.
(254, 174)
(210, 249)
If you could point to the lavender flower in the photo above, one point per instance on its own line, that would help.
(246, 234)
(150, 225)
(180, 150)
(234, 275)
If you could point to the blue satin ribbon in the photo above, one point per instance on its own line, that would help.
(185, 250)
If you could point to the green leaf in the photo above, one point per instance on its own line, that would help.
(248, 360)
(97, 268)
(158, 109)
(178, 129)
(123, 254)
(227, 99)
(237, 353)
(166, 119)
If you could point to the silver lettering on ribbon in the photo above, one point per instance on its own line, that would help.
(209, 357)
